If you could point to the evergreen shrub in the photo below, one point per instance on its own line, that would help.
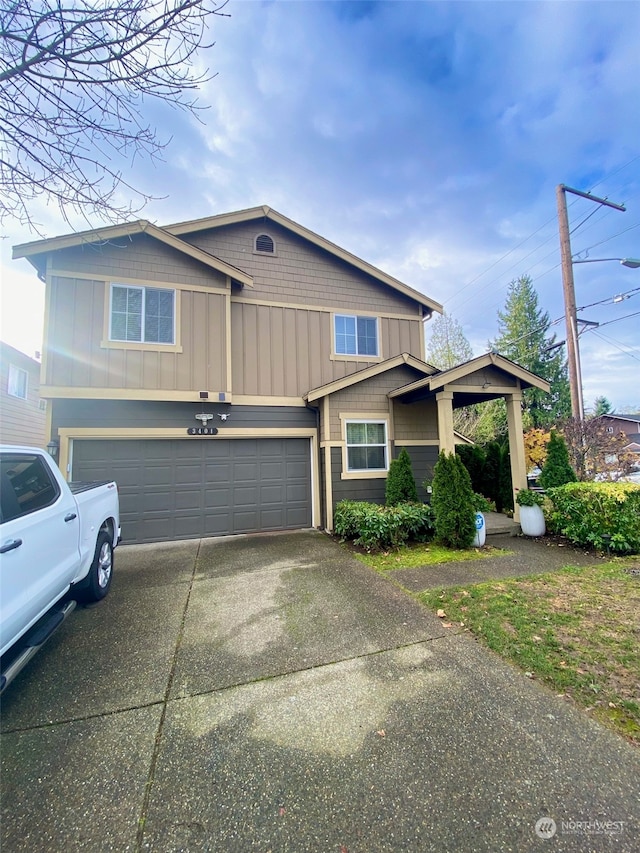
(453, 502)
(401, 484)
(557, 469)
(376, 528)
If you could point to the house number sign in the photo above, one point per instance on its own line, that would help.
(202, 431)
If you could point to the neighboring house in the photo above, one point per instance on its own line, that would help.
(240, 373)
(22, 412)
(629, 425)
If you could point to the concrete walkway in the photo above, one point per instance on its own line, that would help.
(271, 693)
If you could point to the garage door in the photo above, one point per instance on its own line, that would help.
(184, 489)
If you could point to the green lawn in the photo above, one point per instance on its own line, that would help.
(576, 630)
(411, 556)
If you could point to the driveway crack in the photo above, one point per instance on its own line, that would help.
(165, 702)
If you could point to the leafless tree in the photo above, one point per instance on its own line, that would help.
(74, 78)
(595, 452)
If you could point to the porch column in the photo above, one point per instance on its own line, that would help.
(444, 400)
(516, 447)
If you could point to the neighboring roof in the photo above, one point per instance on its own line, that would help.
(37, 251)
(490, 359)
(265, 212)
(634, 418)
(368, 373)
(9, 352)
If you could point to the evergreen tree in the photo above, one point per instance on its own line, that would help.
(401, 484)
(557, 469)
(601, 406)
(523, 337)
(448, 345)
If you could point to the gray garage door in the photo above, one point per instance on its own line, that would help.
(184, 489)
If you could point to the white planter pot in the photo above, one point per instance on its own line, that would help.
(481, 531)
(532, 521)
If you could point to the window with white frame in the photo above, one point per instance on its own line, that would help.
(142, 314)
(18, 383)
(355, 335)
(366, 445)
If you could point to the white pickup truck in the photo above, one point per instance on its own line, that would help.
(56, 548)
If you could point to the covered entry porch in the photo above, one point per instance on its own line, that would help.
(487, 377)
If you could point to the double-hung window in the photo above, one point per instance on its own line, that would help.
(366, 445)
(18, 382)
(356, 335)
(142, 314)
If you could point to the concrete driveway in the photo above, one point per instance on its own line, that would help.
(270, 693)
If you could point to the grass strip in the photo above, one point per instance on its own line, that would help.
(412, 556)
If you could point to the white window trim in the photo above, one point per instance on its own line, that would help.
(14, 382)
(365, 473)
(110, 342)
(355, 356)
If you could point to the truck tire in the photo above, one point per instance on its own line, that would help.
(96, 585)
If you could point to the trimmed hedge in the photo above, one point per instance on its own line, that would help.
(586, 513)
(376, 527)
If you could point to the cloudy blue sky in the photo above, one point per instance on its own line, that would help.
(427, 138)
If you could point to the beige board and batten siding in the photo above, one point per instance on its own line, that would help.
(286, 351)
(78, 358)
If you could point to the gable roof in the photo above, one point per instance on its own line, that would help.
(368, 373)
(634, 417)
(490, 359)
(266, 212)
(38, 250)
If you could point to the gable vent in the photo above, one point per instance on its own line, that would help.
(264, 243)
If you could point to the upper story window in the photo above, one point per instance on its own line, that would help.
(264, 243)
(356, 335)
(142, 314)
(366, 445)
(18, 383)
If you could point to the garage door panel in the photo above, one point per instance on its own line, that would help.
(214, 498)
(186, 488)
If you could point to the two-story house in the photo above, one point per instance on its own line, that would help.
(240, 373)
(22, 410)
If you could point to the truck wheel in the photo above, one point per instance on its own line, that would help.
(97, 583)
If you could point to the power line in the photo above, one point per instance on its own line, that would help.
(617, 320)
(615, 344)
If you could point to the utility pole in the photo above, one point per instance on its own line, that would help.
(571, 319)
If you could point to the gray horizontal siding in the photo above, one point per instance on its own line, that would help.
(158, 414)
(423, 460)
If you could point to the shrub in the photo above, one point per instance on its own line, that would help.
(474, 459)
(483, 504)
(598, 514)
(557, 469)
(527, 497)
(376, 527)
(401, 484)
(453, 502)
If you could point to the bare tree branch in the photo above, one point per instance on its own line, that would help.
(74, 77)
